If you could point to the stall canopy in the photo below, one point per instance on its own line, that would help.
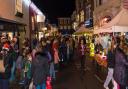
(118, 24)
(83, 30)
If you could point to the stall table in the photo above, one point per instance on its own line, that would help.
(101, 66)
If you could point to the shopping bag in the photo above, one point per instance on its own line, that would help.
(2, 68)
(31, 85)
(48, 83)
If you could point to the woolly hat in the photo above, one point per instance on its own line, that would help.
(6, 47)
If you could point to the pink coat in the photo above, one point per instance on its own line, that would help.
(56, 56)
(55, 52)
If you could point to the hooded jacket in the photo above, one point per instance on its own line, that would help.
(40, 68)
(120, 71)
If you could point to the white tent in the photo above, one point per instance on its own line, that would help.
(118, 24)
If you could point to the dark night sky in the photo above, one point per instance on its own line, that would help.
(55, 8)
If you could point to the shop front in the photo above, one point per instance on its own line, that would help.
(12, 29)
(36, 20)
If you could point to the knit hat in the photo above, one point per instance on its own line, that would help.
(6, 47)
(3, 37)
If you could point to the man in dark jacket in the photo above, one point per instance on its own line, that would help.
(40, 70)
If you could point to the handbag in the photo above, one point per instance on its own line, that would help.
(31, 85)
(48, 83)
(2, 68)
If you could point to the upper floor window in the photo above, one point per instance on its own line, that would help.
(100, 2)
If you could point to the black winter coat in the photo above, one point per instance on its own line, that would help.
(40, 68)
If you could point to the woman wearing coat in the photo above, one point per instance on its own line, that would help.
(82, 50)
(111, 63)
(55, 48)
(121, 64)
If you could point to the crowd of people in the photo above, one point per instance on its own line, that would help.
(34, 62)
(41, 59)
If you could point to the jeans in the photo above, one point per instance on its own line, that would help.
(122, 87)
(52, 70)
(42, 86)
(4, 84)
(13, 72)
(127, 87)
(109, 78)
(82, 61)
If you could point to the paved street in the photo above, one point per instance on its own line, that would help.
(73, 78)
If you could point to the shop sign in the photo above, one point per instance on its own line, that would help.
(89, 23)
(40, 18)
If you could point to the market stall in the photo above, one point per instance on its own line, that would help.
(118, 24)
(101, 60)
(83, 31)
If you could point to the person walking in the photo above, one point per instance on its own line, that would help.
(40, 69)
(82, 50)
(56, 54)
(111, 63)
(121, 65)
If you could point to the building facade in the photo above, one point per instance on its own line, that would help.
(15, 18)
(65, 25)
(84, 13)
(36, 21)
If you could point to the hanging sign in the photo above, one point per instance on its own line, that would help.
(18, 8)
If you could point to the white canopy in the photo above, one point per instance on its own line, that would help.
(118, 24)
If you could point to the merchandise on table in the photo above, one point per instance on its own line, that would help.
(101, 60)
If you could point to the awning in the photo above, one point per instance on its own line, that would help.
(119, 20)
(118, 24)
(3, 20)
(83, 30)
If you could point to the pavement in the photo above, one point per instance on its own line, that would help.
(71, 77)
